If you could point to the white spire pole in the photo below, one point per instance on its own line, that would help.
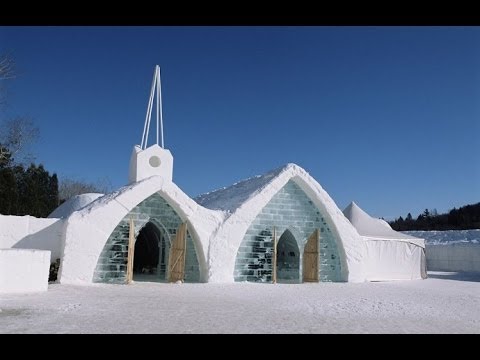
(148, 117)
(150, 105)
(146, 127)
(157, 74)
(159, 100)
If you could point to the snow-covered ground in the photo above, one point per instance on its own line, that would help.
(444, 303)
(448, 237)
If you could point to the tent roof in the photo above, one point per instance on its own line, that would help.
(376, 229)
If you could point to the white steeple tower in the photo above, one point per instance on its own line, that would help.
(154, 160)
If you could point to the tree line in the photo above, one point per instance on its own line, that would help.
(25, 187)
(32, 190)
(464, 218)
(25, 190)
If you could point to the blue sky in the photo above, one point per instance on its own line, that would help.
(386, 116)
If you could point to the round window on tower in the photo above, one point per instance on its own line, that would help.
(154, 161)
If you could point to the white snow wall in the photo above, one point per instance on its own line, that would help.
(456, 257)
(24, 270)
(29, 232)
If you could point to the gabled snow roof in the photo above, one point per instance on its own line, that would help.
(243, 201)
(376, 229)
(232, 197)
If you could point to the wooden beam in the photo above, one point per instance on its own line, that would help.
(274, 258)
(131, 251)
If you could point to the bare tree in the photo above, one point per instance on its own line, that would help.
(70, 187)
(7, 71)
(16, 135)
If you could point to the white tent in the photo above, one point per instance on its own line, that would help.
(390, 255)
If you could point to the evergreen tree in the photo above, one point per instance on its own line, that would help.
(30, 191)
(53, 200)
(21, 203)
(8, 191)
(6, 159)
(39, 191)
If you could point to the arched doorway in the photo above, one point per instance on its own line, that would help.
(113, 263)
(151, 254)
(288, 258)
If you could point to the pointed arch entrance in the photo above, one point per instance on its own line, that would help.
(150, 259)
(288, 258)
(158, 229)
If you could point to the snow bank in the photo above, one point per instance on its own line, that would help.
(73, 204)
(448, 237)
(454, 257)
(24, 270)
(451, 250)
(29, 232)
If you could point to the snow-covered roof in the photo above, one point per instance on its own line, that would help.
(232, 197)
(375, 229)
(73, 204)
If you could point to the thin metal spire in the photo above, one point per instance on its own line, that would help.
(156, 88)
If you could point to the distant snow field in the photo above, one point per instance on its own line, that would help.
(444, 303)
(448, 237)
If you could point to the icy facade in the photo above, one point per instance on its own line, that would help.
(295, 218)
(112, 263)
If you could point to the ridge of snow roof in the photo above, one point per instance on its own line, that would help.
(115, 194)
(369, 226)
(232, 197)
(109, 197)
